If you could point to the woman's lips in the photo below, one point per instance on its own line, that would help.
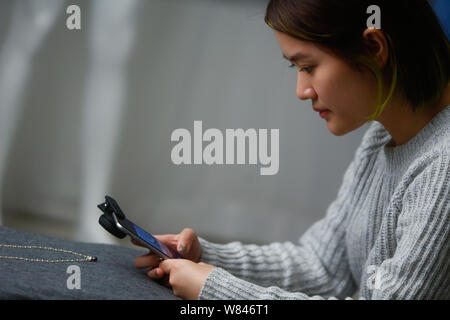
(324, 113)
(319, 110)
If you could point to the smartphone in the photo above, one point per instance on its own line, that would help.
(145, 238)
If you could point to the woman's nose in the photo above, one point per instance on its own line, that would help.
(304, 89)
(305, 93)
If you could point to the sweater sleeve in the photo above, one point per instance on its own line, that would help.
(418, 269)
(316, 265)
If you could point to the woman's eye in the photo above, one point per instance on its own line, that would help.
(306, 69)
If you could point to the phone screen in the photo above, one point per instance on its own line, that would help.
(148, 238)
(153, 241)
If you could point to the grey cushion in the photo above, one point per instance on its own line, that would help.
(113, 276)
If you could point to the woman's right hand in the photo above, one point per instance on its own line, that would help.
(186, 243)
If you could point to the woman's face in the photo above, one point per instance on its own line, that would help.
(332, 84)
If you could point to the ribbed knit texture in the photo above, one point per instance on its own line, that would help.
(386, 234)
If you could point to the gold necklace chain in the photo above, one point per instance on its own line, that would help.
(84, 257)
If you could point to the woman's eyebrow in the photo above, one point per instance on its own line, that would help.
(296, 57)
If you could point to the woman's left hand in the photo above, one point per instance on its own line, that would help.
(185, 277)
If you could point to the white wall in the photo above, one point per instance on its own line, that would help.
(97, 108)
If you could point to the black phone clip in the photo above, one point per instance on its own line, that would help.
(107, 221)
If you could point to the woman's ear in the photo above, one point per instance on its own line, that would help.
(377, 44)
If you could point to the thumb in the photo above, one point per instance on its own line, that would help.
(169, 240)
(185, 239)
(166, 265)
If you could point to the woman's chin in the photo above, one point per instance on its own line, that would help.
(339, 130)
(337, 133)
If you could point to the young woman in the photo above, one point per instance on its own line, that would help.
(387, 233)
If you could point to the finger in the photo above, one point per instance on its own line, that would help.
(166, 265)
(164, 237)
(164, 281)
(185, 240)
(168, 239)
(156, 273)
(137, 243)
(147, 261)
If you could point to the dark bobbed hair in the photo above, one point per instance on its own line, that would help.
(418, 65)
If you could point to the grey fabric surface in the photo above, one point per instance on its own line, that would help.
(113, 276)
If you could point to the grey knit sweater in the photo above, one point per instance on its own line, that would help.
(386, 234)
